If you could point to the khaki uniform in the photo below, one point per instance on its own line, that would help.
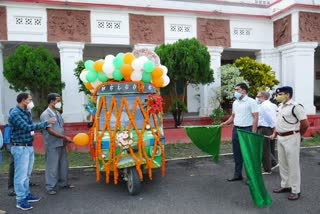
(289, 146)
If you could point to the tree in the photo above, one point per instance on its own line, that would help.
(259, 75)
(35, 70)
(188, 62)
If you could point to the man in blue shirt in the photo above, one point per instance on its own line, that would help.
(22, 148)
(244, 116)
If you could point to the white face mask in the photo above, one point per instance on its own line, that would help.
(57, 105)
(30, 106)
(258, 101)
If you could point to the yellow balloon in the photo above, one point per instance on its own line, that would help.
(81, 139)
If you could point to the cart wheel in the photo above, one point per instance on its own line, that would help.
(133, 183)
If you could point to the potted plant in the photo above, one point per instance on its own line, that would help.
(217, 115)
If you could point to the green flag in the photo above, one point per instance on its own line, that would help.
(251, 145)
(206, 138)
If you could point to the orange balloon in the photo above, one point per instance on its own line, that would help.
(98, 65)
(158, 82)
(157, 72)
(126, 69)
(88, 86)
(81, 139)
(127, 78)
(128, 58)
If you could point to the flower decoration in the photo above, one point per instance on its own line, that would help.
(154, 103)
(125, 139)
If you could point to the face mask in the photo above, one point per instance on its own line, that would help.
(57, 105)
(30, 106)
(258, 101)
(281, 99)
(237, 95)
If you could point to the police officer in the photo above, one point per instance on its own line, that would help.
(291, 124)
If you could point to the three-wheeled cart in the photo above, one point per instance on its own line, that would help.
(122, 114)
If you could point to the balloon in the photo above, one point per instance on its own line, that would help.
(81, 139)
(148, 66)
(137, 64)
(136, 75)
(83, 75)
(146, 77)
(91, 76)
(143, 59)
(89, 65)
(128, 58)
(88, 86)
(109, 58)
(158, 82)
(157, 72)
(117, 75)
(102, 77)
(166, 80)
(108, 67)
(98, 65)
(126, 69)
(118, 62)
(120, 55)
(164, 68)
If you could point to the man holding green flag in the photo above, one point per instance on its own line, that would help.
(245, 117)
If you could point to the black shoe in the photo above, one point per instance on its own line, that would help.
(294, 196)
(51, 192)
(69, 186)
(234, 179)
(282, 190)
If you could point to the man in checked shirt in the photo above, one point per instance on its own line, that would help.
(22, 148)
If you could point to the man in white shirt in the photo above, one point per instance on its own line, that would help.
(266, 124)
(244, 116)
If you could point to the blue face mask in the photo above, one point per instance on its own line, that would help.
(237, 95)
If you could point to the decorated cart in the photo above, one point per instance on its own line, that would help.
(126, 136)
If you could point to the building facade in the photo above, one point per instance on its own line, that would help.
(282, 33)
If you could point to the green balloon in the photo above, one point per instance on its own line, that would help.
(120, 55)
(102, 76)
(89, 65)
(118, 62)
(91, 76)
(117, 75)
(148, 66)
(146, 77)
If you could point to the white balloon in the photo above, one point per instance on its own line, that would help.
(108, 67)
(164, 68)
(95, 83)
(83, 75)
(109, 58)
(136, 75)
(166, 80)
(143, 59)
(137, 64)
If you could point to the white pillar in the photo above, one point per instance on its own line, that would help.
(271, 57)
(73, 101)
(298, 72)
(2, 97)
(207, 99)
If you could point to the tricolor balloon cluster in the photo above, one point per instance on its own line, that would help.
(124, 66)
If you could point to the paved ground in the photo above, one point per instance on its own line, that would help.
(190, 186)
